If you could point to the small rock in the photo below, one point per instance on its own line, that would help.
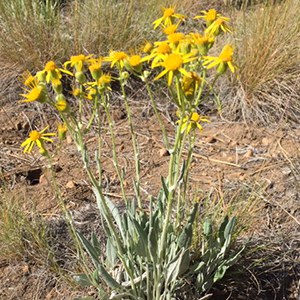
(163, 152)
(69, 140)
(266, 141)
(249, 153)
(25, 269)
(43, 179)
(70, 184)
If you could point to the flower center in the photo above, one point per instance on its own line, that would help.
(195, 117)
(118, 56)
(175, 37)
(163, 49)
(173, 62)
(134, 60)
(168, 12)
(211, 15)
(50, 66)
(170, 29)
(34, 135)
(226, 54)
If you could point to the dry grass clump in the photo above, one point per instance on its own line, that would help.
(34, 31)
(268, 82)
(30, 33)
(22, 232)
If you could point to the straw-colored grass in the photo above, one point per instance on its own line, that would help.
(33, 31)
(267, 86)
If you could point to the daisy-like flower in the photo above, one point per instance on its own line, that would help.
(134, 63)
(217, 26)
(62, 131)
(78, 61)
(169, 15)
(170, 29)
(190, 83)
(116, 58)
(38, 138)
(175, 38)
(192, 122)
(202, 42)
(223, 61)
(209, 16)
(173, 64)
(34, 91)
(95, 68)
(147, 47)
(158, 53)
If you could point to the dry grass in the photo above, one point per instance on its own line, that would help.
(23, 233)
(33, 32)
(268, 83)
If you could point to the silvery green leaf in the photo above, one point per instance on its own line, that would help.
(229, 228)
(89, 248)
(227, 264)
(178, 265)
(186, 235)
(142, 247)
(111, 254)
(222, 229)
(96, 244)
(207, 228)
(83, 280)
(93, 254)
(165, 187)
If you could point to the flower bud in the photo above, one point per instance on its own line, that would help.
(80, 77)
(222, 67)
(61, 103)
(41, 76)
(57, 86)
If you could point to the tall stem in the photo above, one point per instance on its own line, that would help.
(161, 124)
(114, 150)
(134, 141)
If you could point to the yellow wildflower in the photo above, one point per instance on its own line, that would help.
(170, 29)
(78, 61)
(223, 61)
(95, 68)
(190, 83)
(175, 38)
(220, 24)
(62, 131)
(116, 57)
(169, 15)
(61, 103)
(57, 85)
(134, 63)
(192, 122)
(173, 64)
(52, 72)
(29, 80)
(37, 91)
(202, 42)
(158, 53)
(209, 16)
(147, 47)
(37, 137)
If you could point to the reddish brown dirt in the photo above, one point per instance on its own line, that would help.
(231, 160)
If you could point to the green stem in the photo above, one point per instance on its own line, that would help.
(114, 150)
(161, 124)
(134, 141)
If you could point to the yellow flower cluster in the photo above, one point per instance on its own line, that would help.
(182, 58)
